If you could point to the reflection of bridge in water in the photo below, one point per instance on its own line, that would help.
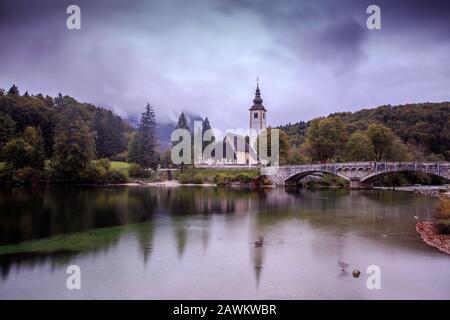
(359, 174)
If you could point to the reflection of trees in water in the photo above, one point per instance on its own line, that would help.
(145, 237)
(26, 215)
(34, 214)
(184, 227)
(394, 198)
(205, 234)
(41, 213)
(58, 249)
(200, 200)
(61, 249)
(322, 205)
(259, 238)
(31, 260)
(258, 261)
(181, 239)
(379, 215)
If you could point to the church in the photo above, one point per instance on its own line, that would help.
(237, 148)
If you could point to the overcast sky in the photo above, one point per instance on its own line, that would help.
(312, 57)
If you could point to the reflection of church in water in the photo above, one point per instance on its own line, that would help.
(240, 149)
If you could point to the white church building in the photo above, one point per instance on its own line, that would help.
(238, 149)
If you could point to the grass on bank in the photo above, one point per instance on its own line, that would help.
(121, 166)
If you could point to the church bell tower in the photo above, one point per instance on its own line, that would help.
(257, 112)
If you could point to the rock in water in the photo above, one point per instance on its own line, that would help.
(343, 265)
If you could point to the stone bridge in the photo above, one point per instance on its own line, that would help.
(359, 174)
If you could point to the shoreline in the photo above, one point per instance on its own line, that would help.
(430, 236)
(175, 183)
(431, 190)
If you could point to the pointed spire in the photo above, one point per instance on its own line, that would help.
(257, 101)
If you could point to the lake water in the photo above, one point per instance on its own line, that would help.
(198, 243)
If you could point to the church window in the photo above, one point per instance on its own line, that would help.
(255, 115)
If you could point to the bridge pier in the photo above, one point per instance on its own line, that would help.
(356, 183)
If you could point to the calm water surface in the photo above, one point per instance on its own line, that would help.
(198, 243)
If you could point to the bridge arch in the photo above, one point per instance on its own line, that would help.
(301, 174)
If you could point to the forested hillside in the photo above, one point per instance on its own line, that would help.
(423, 128)
(109, 132)
(43, 137)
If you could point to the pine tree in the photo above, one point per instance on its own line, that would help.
(144, 143)
(183, 122)
(74, 147)
(207, 126)
(110, 133)
(14, 91)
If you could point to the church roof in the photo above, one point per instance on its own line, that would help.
(257, 101)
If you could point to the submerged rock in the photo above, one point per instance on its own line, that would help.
(260, 242)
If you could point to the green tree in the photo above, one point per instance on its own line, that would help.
(295, 156)
(387, 145)
(73, 149)
(398, 151)
(166, 159)
(359, 148)
(17, 154)
(110, 138)
(283, 143)
(382, 139)
(326, 138)
(33, 136)
(143, 145)
(31, 112)
(7, 129)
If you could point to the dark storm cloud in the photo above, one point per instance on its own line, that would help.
(313, 57)
(345, 38)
